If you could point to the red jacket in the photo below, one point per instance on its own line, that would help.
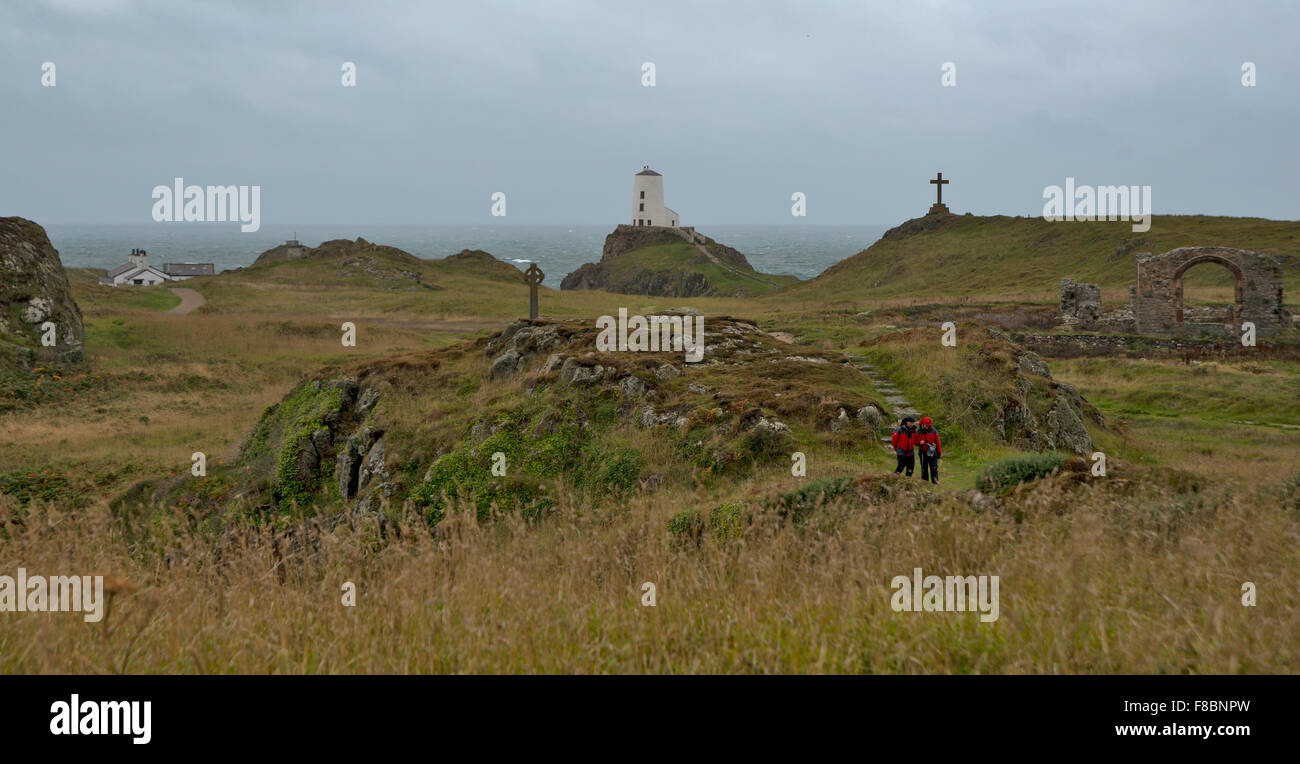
(902, 440)
(928, 435)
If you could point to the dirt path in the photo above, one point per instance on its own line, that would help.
(190, 300)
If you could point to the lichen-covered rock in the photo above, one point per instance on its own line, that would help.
(507, 364)
(374, 466)
(366, 403)
(841, 421)
(349, 464)
(632, 385)
(1031, 363)
(667, 372)
(774, 426)
(552, 363)
(34, 290)
(574, 373)
(1016, 422)
(546, 338)
(871, 418)
(1064, 423)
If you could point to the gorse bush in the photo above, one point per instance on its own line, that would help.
(687, 524)
(1015, 470)
(798, 505)
(618, 472)
(727, 520)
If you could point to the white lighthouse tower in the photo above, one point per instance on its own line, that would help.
(648, 200)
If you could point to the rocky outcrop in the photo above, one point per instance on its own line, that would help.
(622, 270)
(1065, 430)
(35, 298)
(665, 283)
(360, 259)
(927, 223)
(1040, 413)
(320, 444)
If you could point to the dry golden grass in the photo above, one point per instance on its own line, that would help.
(1090, 582)
(1096, 582)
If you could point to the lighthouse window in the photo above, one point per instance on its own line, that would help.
(642, 194)
(642, 207)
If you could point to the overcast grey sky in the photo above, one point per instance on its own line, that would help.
(543, 101)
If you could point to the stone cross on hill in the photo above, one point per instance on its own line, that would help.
(939, 208)
(534, 277)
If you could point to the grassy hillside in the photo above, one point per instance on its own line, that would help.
(476, 262)
(696, 495)
(963, 255)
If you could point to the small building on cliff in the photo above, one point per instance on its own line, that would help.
(648, 200)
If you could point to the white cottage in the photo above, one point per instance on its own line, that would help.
(138, 272)
(648, 200)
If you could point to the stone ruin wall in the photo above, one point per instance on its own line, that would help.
(1155, 304)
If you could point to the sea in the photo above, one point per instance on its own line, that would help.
(798, 250)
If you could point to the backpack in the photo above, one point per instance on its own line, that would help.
(928, 441)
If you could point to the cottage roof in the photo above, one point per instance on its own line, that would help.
(146, 269)
(188, 269)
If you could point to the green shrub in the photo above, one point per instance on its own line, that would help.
(44, 485)
(299, 415)
(727, 520)
(798, 505)
(620, 473)
(1015, 470)
(687, 524)
(458, 476)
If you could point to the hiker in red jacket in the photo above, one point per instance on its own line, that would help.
(926, 441)
(901, 440)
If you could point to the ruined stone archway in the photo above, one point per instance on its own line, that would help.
(1158, 293)
(1233, 268)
